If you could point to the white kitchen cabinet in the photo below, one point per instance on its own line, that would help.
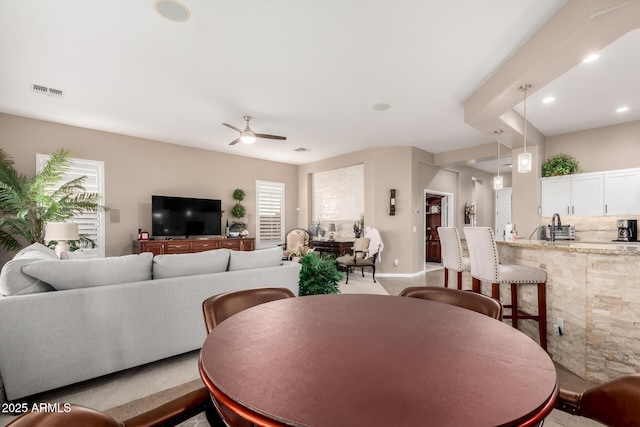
(622, 192)
(592, 194)
(587, 194)
(556, 196)
(579, 195)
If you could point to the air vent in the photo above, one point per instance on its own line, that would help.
(301, 149)
(49, 91)
(40, 89)
(56, 92)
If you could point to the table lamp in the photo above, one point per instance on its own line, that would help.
(62, 232)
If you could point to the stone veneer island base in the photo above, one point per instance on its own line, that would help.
(595, 288)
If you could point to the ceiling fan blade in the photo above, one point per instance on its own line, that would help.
(264, 135)
(232, 127)
(235, 141)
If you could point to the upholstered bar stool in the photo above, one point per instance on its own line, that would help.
(486, 267)
(452, 258)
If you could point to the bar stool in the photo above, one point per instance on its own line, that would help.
(486, 267)
(452, 258)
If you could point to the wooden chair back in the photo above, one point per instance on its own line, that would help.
(472, 301)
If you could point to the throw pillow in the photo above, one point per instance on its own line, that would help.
(176, 265)
(84, 273)
(14, 282)
(38, 250)
(241, 260)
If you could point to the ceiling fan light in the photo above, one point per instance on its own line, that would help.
(248, 139)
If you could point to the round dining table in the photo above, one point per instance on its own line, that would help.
(375, 360)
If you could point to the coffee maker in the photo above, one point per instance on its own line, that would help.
(627, 230)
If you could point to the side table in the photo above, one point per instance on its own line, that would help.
(337, 247)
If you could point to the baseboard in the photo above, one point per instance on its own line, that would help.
(419, 273)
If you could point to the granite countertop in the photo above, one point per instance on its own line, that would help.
(623, 248)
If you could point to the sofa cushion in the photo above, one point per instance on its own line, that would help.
(72, 255)
(14, 282)
(241, 260)
(36, 250)
(175, 265)
(84, 273)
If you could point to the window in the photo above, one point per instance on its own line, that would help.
(270, 218)
(338, 195)
(90, 223)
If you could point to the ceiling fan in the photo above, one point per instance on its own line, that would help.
(248, 136)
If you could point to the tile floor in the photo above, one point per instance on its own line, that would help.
(137, 390)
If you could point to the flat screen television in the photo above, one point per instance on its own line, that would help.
(184, 216)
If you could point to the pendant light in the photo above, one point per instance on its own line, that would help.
(497, 180)
(525, 158)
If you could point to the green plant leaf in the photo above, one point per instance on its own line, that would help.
(559, 165)
(28, 204)
(319, 274)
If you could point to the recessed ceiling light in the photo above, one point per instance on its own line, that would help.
(381, 107)
(548, 100)
(622, 109)
(591, 58)
(301, 149)
(173, 10)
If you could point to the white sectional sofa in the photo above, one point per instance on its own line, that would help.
(66, 321)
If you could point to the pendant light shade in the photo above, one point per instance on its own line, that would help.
(497, 180)
(525, 158)
(497, 183)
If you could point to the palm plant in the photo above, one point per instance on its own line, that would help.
(27, 205)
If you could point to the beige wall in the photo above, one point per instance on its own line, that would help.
(525, 198)
(384, 169)
(600, 149)
(136, 168)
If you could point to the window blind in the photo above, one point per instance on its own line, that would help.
(270, 217)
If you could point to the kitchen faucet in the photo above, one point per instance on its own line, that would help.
(555, 226)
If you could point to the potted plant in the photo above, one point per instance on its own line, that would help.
(559, 165)
(319, 275)
(27, 205)
(238, 212)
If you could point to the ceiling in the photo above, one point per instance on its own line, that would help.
(311, 71)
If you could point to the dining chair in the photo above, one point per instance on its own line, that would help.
(486, 267)
(358, 259)
(219, 307)
(171, 413)
(452, 258)
(615, 403)
(465, 299)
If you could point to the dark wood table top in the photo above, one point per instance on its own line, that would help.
(372, 360)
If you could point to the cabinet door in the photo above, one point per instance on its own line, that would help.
(586, 195)
(556, 196)
(247, 244)
(233, 244)
(622, 192)
(157, 248)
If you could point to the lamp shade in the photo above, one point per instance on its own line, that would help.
(497, 183)
(61, 231)
(524, 162)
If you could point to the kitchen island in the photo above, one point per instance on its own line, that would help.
(594, 288)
